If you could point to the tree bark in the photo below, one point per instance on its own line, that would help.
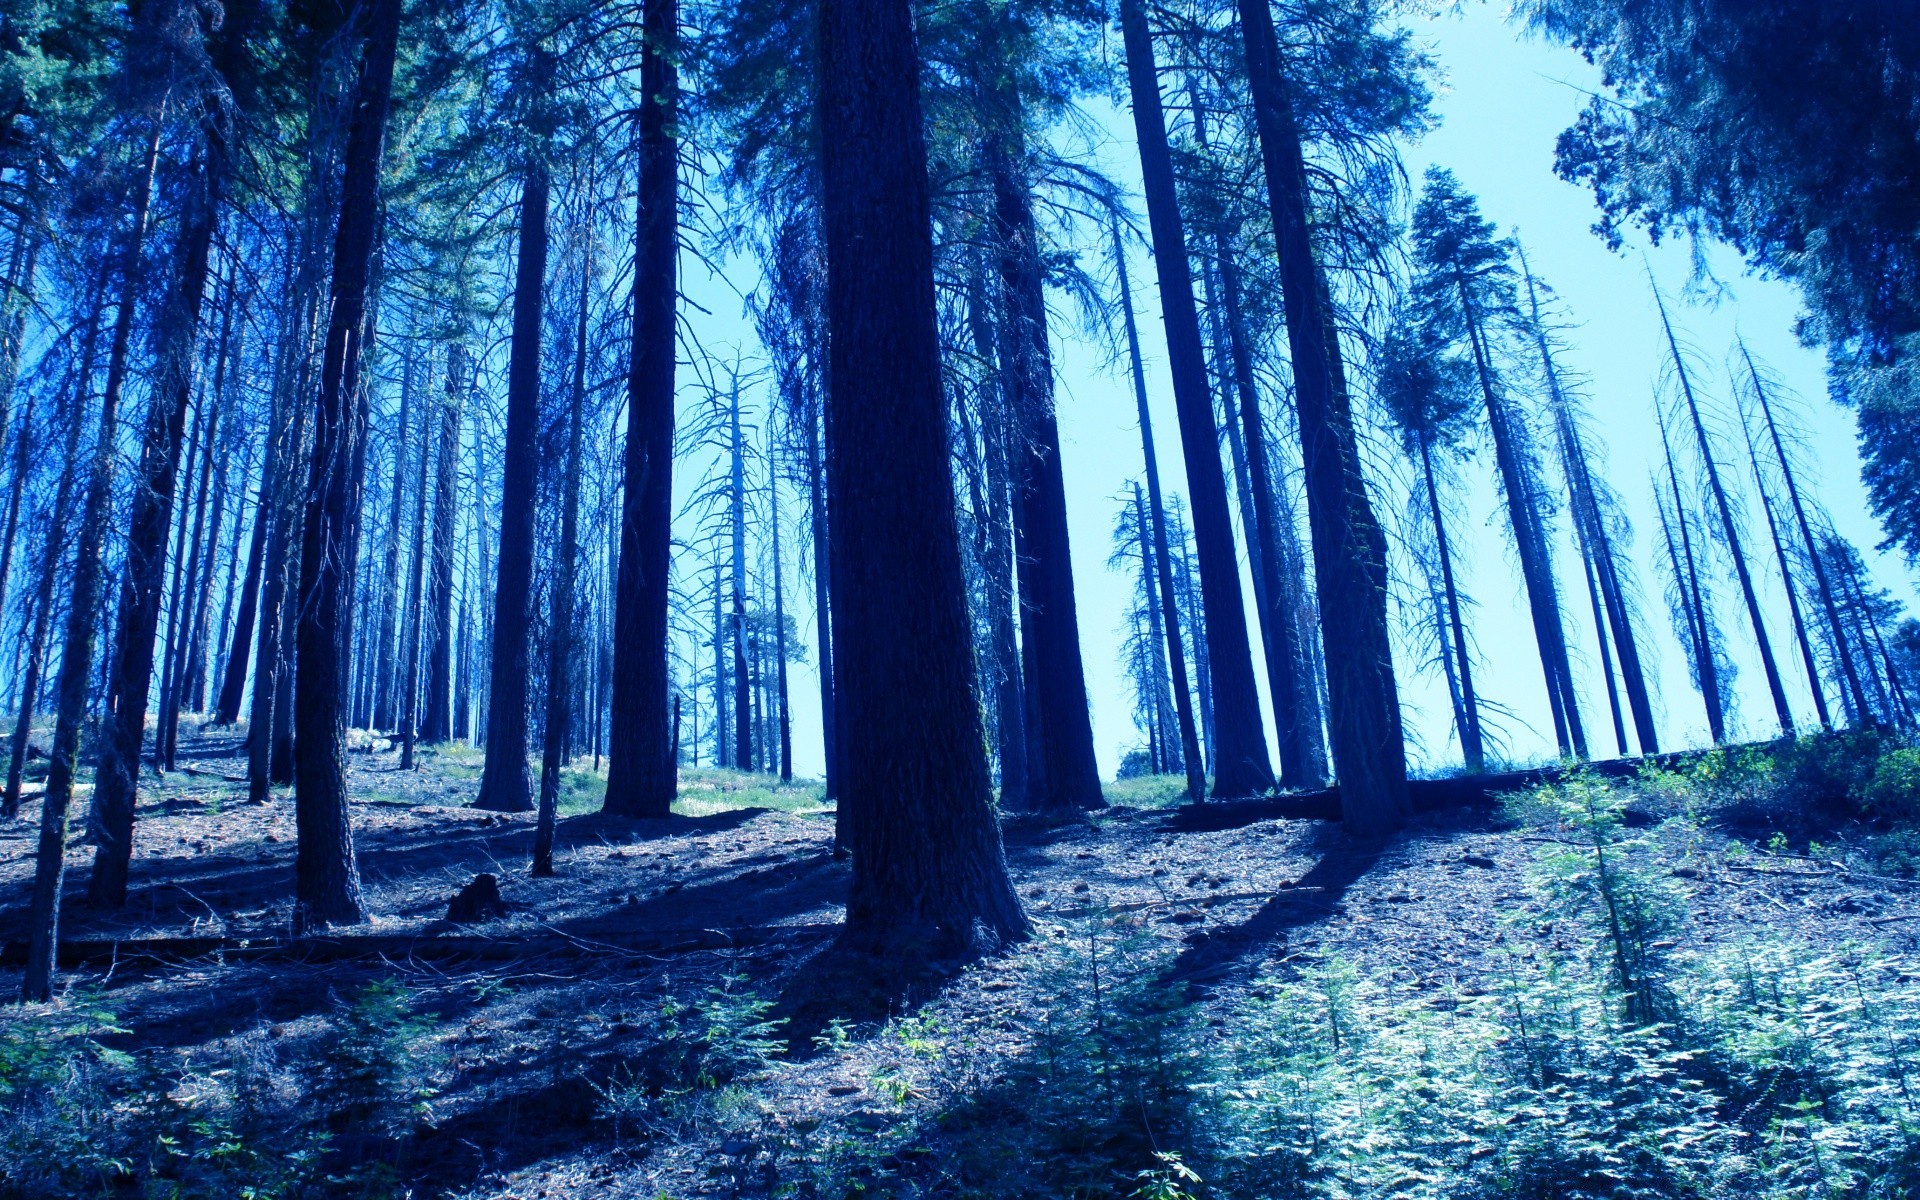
(641, 774)
(1191, 761)
(560, 636)
(1237, 745)
(505, 783)
(1349, 548)
(1849, 671)
(929, 874)
(76, 663)
(326, 873)
(1771, 669)
(437, 725)
(116, 783)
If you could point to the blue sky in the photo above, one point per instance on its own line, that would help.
(1503, 100)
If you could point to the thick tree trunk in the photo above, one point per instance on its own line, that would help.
(1349, 548)
(326, 874)
(1237, 742)
(641, 774)
(505, 784)
(1060, 759)
(76, 663)
(437, 724)
(929, 875)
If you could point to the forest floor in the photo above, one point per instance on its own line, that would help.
(616, 1031)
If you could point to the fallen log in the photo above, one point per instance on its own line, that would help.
(173, 951)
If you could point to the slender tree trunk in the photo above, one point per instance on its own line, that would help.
(560, 637)
(326, 873)
(1807, 659)
(737, 526)
(779, 625)
(995, 520)
(1706, 670)
(76, 663)
(117, 781)
(929, 875)
(1472, 743)
(195, 670)
(384, 690)
(1823, 586)
(1236, 741)
(641, 774)
(233, 680)
(1518, 481)
(25, 257)
(52, 545)
(1190, 758)
(822, 602)
(413, 618)
(438, 723)
(1349, 548)
(1768, 666)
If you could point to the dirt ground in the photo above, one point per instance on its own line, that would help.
(747, 886)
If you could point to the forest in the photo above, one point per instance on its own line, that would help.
(1003, 598)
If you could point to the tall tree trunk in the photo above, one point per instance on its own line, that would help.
(779, 623)
(929, 874)
(1693, 597)
(1807, 659)
(822, 599)
(560, 635)
(385, 692)
(233, 681)
(195, 670)
(326, 874)
(1190, 759)
(52, 543)
(1237, 742)
(1472, 743)
(1349, 548)
(995, 520)
(24, 264)
(437, 726)
(1823, 586)
(413, 618)
(1060, 759)
(1301, 755)
(1518, 481)
(737, 526)
(117, 781)
(1724, 508)
(505, 784)
(76, 662)
(641, 774)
